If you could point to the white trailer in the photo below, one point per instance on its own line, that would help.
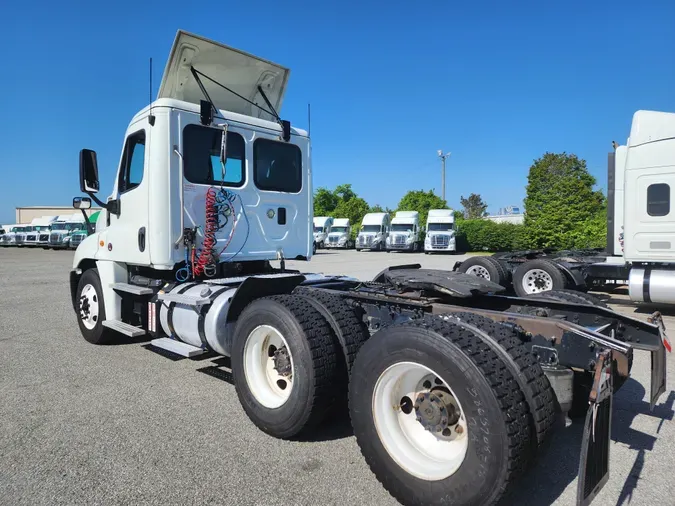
(322, 226)
(442, 395)
(374, 232)
(405, 233)
(340, 235)
(440, 231)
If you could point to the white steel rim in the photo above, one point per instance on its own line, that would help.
(421, 453)
(270, 388)
(479, 270)
(89, 316)
(537, 281)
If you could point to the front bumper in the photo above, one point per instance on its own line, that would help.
(399, 247)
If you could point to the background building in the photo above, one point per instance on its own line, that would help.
(27, 214)
(510, 214)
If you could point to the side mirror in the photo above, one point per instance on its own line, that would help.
(82, 203)
(88, 172)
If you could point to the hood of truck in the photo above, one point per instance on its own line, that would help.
(239, 71)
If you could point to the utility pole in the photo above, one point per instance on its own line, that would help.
(443, 157)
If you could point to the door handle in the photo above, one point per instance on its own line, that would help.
(141, 239)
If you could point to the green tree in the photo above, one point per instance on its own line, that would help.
(344, 192)
(377, 208)
(325, 202)
(474, 207)
(421, 201)
(459, 215)
(562, 209)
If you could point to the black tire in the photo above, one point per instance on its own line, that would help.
(496, 272)
(572, 296)
(99, 334)
(311, 343)
(494, 407)
(525, 368)
(558, 279)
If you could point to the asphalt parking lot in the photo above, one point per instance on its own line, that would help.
(119, 424)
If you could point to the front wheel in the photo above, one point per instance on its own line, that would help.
(91, 309)
(437, 416)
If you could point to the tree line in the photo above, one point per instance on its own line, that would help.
(562, 210)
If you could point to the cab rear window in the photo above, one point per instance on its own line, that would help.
(277, 166)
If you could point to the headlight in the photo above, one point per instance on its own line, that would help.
(409, 240)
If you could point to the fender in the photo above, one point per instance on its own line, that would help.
(573, 274)
(255, 287)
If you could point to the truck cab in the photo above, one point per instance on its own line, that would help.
(405, 232)
(38, 235)
(63, 230)
(340, 235)
(322, 226)
(374, 232)
(440, 231)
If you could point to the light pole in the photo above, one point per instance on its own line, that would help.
(443, 157)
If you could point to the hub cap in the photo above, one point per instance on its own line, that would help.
(419, 421)
(268, 366)
(89, 306)
(536, 281)
(478, 270)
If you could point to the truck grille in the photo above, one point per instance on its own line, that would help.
(44, 237)
(440, 241)
(76, 239)
(333, 240)
(55, 239)
(365, 240)
(398, 240)
(31, 237)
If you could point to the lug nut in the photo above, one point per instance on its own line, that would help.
(459, 429)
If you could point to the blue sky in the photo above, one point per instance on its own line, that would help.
(390, 83)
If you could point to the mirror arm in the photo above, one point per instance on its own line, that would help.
(111, 206)
(90, 227)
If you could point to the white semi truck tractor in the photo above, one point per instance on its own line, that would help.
(340, 235)
(404, 234)
(452, 387)
(322, 225)
(440, 233)
(374, 232)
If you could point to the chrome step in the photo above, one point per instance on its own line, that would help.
(187, 300)
(177, 347)
(135, 289)
(124, 328)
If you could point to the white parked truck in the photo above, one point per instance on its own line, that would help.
(65, 228)
(213, 186)
(322, 226)
(640, 227)
(404, 233)
(8, 236)
(38, 235)
(340, 235)
(374, 232)
(440, 231)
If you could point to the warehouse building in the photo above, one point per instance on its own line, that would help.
(25, 215)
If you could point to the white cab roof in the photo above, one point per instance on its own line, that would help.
(406, 217)
(374, 218)
(43, 221)
(341, 222)
(651, 126)
(239, 71)
(440, 213)
(320, 221)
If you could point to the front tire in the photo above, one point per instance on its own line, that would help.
(91, 309)
(284, 365)
(425, 455)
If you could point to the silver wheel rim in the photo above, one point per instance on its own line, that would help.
(89, 301)
(268, 366)
(423, 448)
(537, 281)
(478, 270)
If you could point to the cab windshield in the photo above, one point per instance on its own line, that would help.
(318, 230)
(440, 227)
(339, 230)
(62, 226)
(402, 227)
(370, 228)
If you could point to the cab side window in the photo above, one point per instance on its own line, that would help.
(133, 162)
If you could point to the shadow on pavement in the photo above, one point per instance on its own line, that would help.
(557, 468)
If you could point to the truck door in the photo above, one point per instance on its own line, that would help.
(125, 239)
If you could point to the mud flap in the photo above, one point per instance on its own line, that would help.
(658, 385)
(594, 460)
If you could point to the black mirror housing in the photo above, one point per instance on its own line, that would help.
(88, 172)
(82, 203)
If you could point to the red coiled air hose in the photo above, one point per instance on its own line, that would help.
(210, 227)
